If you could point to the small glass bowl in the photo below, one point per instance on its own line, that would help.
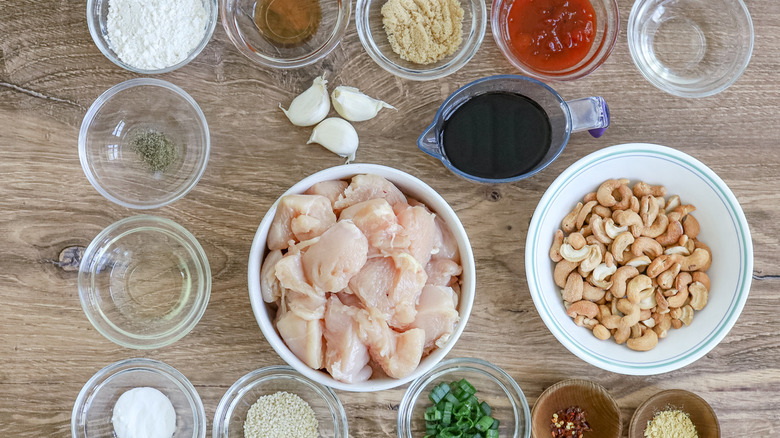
(144, 282)
(368, 20)
(238, 21)
(690, 48)
(94, 405)
(97, 18)
(607, 29)
(493, 385)
(232, 409)
(114, 120)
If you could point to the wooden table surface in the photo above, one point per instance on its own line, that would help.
(51, 71)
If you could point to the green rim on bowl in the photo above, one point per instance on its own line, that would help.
(547, 299)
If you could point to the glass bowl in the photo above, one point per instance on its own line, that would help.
(238, 19)
(690, 48)
(232, 409)
(116, 119)
(97, 18)
(144, 282)
(368, 20)
(94, 405)
(607, 29)
(493, 385)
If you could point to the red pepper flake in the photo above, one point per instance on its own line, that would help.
(569, 423)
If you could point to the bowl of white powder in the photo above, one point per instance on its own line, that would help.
(136, 398)
(153, 36)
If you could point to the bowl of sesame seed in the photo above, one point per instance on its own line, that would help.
(279, 401)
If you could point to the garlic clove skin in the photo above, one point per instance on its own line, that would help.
(336, 135)
(355, 106)
(311, 106)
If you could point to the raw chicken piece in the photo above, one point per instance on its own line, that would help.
(349, 299)
(289, 272)
(307, 306)
(298, 296)
(346, 357)
(339, 254)
(390, 287)
(397, 353)
(304, 338)
(436, 315)
(442, 272)
(365, 187)
(377, 221)
(329, 189)
(299, 217)
(420, 228)
(444, 244)
(270, 288)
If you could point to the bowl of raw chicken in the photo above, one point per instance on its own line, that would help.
(361, 277)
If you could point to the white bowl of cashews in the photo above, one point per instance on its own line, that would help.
(723, 251)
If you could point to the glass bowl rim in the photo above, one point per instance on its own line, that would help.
(226, 405)
(497, 374)
(586, 69)
(105, 97)
(86, 292)
(99, 378)
(233, 34)
(108, 52)
(461, 57)
(681, 91)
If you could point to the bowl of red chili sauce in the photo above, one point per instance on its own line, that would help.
(556, 40)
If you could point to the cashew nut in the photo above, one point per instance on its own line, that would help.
(570, 220)
(613, 230)
(574, 255)
(663, 322)
(631, 311)
(682, 250)
(702, 278)
(648, 210)
(699, 295)
(638, 287)
(647, 342)
(572, 292)
(691, 226)
(622, 334)
(591, 261)
(683, 280)
(555, 249)
(672, 203)
(611, 322)
(602, 271)
(583, 213)
(673, 232)
(562, 271)
(620, 244)
(657, 228)
(643, 189)
(666, 279)
(598, 227)
(699, 260)
(601, 332)
(583, 307)
(604, 192)
(647, 246)
(634, 205)
(626, 218)
(603, 212)
(590, 197)
(619, 280)
(639, 262)
(592, 293)
(660, 264)
(678, 300)
(576, 240)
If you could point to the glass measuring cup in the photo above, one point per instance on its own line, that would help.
(587, 114)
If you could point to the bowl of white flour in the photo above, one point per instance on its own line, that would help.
(153, 36)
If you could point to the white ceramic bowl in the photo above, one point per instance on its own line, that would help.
(411, 186)
(723, 228)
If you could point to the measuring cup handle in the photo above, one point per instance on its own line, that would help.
(429, 143)
(589, 114)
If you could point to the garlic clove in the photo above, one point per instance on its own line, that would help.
(311, 106)
(355, 106)
(336, 135)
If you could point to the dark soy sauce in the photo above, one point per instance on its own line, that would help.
(497, 135)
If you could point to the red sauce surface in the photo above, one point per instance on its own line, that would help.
(551, 35)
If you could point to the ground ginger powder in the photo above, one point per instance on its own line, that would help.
(671, 424)
(423, 31)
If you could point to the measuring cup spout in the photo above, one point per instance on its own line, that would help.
(589, 114)
(429, 142)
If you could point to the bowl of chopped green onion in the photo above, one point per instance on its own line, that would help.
(144, 143)
(464, 397)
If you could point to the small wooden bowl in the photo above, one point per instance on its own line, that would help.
(601, 410)
(700, 412)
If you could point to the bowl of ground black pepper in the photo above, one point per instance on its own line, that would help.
(279, 401)
(421, 40)
(144, 143)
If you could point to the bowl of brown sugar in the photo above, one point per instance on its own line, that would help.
(421, 40)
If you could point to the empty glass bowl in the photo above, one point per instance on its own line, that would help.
(93, 410)
(605, 36)
(690, 48)
(232, 409)
(493, 386)
(113, 124)
(97, 19)
(144, 282)
(368, 20)
(276, 46)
